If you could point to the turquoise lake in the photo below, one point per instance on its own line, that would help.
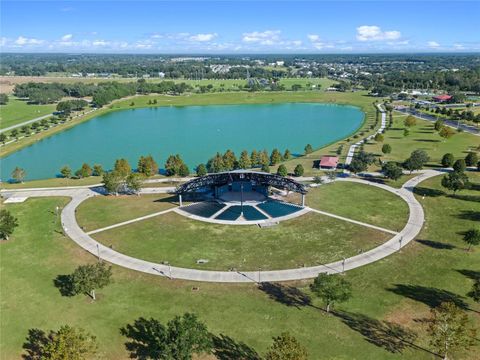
(194, 132)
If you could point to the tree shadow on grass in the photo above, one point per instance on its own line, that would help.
(34, 345)
(469, 215)
(473, 198)
(472, 274)
(427, 140)
(226, 348)
(287, 295)
(436, 244)
(474, 186)
(387, 335)
(423, 191)
(428, 295)
(64, 284)
(144, 338)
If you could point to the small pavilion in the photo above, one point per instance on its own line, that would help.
(328, 162)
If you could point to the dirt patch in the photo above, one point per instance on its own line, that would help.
(408, 315)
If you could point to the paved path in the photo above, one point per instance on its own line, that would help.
(407, 234)
(354, 221)
(353, 148)
(25, 123)
(130, 221)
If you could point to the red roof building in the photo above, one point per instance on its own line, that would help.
(329, 162)
(442, 98)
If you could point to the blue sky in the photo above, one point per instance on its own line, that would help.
(239, 26)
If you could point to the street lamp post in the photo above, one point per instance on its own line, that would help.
(343, 266)
(241, 198)
(98, 252)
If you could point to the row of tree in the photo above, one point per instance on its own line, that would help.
(228, 161)
(36, 127)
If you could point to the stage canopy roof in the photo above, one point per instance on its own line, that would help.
(223, 178)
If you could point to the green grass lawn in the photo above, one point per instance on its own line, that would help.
(17, 111)
(310, 239)
(102, 211)
(55, 182)
(360, 202)
(422, 136)
(399, 289)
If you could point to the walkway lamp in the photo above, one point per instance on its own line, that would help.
(241, 194)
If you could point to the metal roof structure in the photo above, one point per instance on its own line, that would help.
(228, 177)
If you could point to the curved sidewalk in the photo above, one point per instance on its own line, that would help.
(407, 234)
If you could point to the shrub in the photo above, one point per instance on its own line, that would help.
(282, 170)
(299, 170)
(447, 160)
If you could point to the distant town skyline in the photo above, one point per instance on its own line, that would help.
(229, 27)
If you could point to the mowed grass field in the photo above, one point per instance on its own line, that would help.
(422, 136)
(360, 202)
(101, 211)
(310, 239)
(396, 291)
(17, 111)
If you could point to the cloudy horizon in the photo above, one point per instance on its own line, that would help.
(237, 27)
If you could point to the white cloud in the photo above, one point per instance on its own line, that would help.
(433, 44)
(67, 37)
(100, 43)
(21, 41)
(375, 33)
(313, 37)
(203, 37)
(398, 43)
(268, 37)
(459, 46)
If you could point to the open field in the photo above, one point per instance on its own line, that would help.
(360, 202)
(102, 211)
(422, 136)
(309, 239)
(17, 111)
(397, 290)
(7, 83)
(55, 182)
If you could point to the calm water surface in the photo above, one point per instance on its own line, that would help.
(194, 132)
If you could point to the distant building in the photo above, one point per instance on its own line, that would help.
(442, 98)
(328, 162)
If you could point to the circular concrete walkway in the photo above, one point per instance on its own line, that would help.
(407, 234)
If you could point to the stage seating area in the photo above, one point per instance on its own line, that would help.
(204, 209)
(273, 208)
(278, 208)
(233, 213)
